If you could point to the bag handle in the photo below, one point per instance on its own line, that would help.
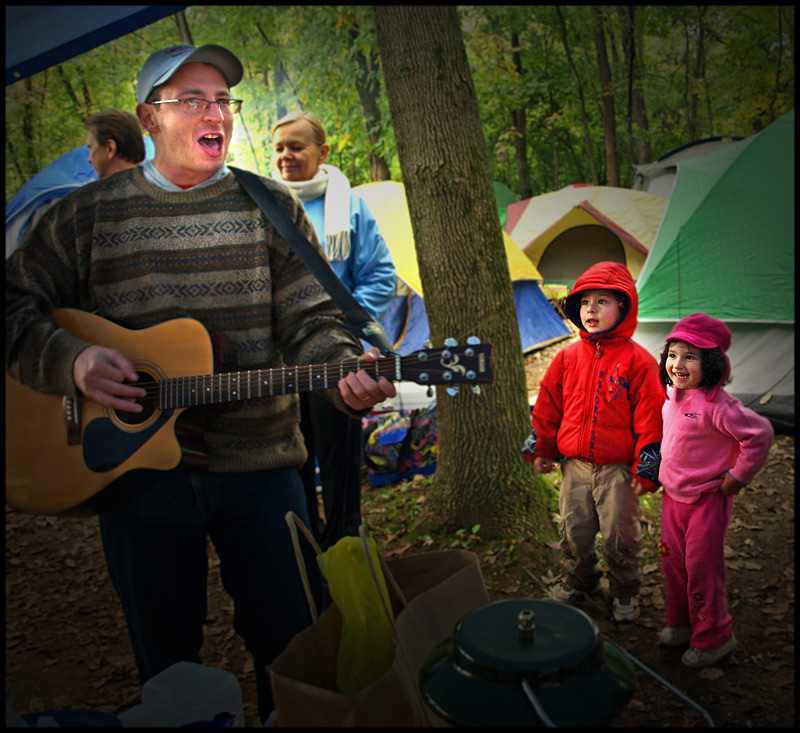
(294, 523)
(387, 574)
(422, 707)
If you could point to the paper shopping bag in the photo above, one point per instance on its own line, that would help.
(431, 592)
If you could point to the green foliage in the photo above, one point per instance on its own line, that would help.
(466, 539)
(310, 57)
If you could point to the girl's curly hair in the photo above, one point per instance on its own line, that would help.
(712, 363)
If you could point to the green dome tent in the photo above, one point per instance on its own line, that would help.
(505, 197)
(726, 248)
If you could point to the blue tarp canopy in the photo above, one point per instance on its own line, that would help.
(41, 36)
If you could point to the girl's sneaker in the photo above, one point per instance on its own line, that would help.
(675, 635)
(698, 658)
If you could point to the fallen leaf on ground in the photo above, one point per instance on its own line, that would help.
(399, 550)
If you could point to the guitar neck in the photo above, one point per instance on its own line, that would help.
(210, 389)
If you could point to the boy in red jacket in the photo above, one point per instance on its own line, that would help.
(599, 413)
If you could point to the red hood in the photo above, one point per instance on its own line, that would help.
(605, 276)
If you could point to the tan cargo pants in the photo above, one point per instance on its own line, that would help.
(596, 499)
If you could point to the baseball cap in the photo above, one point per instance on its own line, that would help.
(161, 65)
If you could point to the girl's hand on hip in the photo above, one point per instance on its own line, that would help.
(730, 486)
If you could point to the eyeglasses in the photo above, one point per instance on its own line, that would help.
(193, 105)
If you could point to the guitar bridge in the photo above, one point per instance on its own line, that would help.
(71, 407)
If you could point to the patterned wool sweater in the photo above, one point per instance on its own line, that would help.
(138, 255)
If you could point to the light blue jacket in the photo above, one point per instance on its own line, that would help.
(368, 272)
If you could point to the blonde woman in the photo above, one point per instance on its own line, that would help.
(358, 253)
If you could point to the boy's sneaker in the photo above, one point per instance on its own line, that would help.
(626, 609)
(566, 594)
(699, 658)
(675, 635)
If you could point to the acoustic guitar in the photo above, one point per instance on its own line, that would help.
(62, 451)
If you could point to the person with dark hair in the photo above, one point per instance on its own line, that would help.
(713, 446)
(115, 142)
(361, 260)
(599, 411)
(175, 237)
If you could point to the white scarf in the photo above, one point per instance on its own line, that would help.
(333, 184)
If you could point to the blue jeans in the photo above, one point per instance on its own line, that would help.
(155, 546)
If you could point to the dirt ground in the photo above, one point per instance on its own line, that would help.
(67, 645)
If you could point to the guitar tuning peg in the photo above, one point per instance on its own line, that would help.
(452, 391)
(473, 341)
(427, 344)
(429, 391)
(450, 342)
(476, 389)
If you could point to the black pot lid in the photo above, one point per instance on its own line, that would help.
(490, 641)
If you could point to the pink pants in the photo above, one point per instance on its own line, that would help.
(693, 560)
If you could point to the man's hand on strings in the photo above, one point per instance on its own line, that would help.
(100, 374)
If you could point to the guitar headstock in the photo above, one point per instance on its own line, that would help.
(451, 365)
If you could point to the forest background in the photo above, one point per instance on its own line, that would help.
(567, 94)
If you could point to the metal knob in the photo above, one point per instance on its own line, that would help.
(525, 624)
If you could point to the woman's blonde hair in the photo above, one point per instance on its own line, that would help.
(316, 125)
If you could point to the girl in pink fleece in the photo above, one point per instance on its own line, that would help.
(712, 447)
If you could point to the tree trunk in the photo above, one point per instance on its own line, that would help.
(609, 116)
(279, 78)
(70, 91)
(183, 28)
(587, 134)
(642, 126)
(87, 97)
(28, 139)
(778, 64)
(520, 125)
(12, 156)
(481, 476)
(368, 92)
(690, 124)
(628, 64)
(699, 66)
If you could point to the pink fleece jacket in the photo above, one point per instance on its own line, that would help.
(704, 439)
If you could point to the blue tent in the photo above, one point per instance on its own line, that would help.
(406, 322)
(63, 175)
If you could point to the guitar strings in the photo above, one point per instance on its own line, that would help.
(179, 392)
(302, 377)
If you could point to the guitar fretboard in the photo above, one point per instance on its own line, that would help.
(210, 389)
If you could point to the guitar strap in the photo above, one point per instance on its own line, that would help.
(359, 322)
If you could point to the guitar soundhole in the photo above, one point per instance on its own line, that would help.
(149, 403)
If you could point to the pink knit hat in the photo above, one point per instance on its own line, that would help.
(704, 332)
